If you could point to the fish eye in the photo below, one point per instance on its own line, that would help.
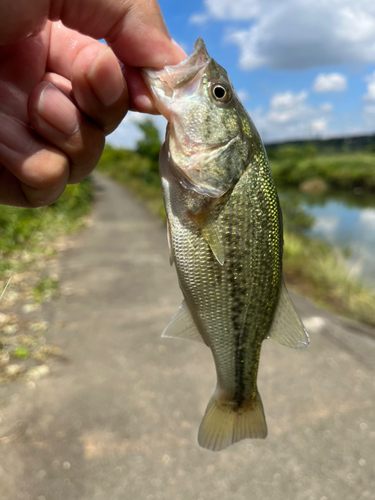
(221, 92)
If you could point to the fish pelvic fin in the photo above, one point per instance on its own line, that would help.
(287, 327)
(223, 424)
(182, 326)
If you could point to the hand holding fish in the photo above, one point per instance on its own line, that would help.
(62, 91)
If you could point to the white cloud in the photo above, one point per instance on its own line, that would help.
(199, 18)
(370, 94)
(227, 10)
(290, 116)
(288, 107)
(369, 98)
(288, 100)
(319, 127)
(326, 107)
(330, 82)
(298, 33)
(127, 133)
(243, 95)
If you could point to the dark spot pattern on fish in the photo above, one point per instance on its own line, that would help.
(255, 267)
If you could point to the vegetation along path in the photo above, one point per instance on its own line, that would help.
(118, 414)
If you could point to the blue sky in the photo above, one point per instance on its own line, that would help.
(303, 68)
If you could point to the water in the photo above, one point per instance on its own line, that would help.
(345, 221)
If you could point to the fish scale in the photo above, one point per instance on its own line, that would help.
(225, 235)
(248, 280)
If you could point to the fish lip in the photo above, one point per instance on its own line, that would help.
(198, 59)
(164, 82)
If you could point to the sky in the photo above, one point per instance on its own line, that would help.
(302, 68)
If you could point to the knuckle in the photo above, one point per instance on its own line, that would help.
(85, 152)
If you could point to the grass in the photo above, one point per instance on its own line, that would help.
(46, 289)
(21, 352)
(345, 171)
(17, 227)
(318, 271)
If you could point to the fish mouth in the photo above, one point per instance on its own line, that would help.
(164, 83)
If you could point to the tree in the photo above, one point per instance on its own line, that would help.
(150, 144)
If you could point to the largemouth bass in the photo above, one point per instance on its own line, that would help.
(225, 237)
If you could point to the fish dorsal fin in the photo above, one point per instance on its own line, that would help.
(182, 325)
(207, 224)
(287, 327)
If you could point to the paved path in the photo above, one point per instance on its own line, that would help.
(119, 421)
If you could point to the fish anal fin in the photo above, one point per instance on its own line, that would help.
(223, 424)
(182, 326)
(287, 327)
(207, 224)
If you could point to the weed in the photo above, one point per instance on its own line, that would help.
(21, 352)
(46, 289)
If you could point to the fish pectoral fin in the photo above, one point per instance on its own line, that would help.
(182, 326)
(207, 224)
(211, 235)
(223, 425)
(287, 327)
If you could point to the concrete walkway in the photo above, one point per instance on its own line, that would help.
(119, 420)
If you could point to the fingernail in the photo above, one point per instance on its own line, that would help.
(58, 110)
(15, 135)
(106, 78)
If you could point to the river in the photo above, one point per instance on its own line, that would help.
(345, 221)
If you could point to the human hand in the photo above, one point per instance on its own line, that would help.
(62, 91)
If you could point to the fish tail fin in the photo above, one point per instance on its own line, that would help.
(223, 424)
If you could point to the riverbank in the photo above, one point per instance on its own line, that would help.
(311, 267)
(292, 166)
(315, 270)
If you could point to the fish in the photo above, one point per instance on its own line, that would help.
(225, 235)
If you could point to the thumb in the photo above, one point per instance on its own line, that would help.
(134, 29)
